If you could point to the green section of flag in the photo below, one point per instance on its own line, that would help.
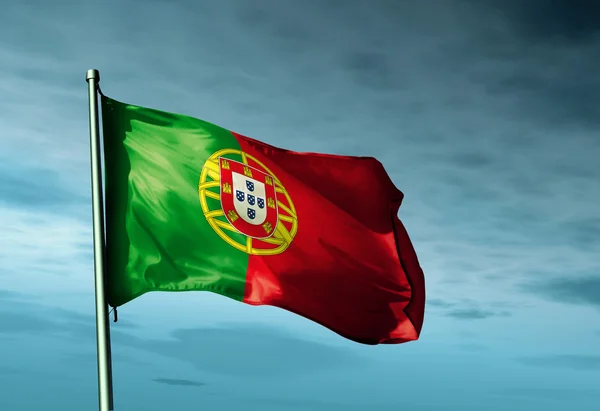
(157, 236)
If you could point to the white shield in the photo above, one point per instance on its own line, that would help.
(249, 199)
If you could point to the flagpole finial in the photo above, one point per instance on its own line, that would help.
(92, 74)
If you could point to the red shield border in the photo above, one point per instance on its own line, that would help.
(267, 228)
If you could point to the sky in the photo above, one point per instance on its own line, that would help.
(485, 114)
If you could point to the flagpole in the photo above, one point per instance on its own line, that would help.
(102, 326)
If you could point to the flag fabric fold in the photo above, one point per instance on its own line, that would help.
(193, 206)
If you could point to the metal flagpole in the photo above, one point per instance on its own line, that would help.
(102, 326)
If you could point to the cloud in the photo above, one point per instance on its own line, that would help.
(248, 350)
(583, 232)
(472, 160)
(7, 295)
(21, 314)
(577, 362)
(578, 290)
(472, 347)
(26, 317)
(556, 394)
(475, 314)
(485, 113)
(371, 69)
(290, 35)
(487, 124)
(232, 349)
(35, 188)
(181, 383)
(37, 248)
(314, 404)
(436, 302)
(15, 322)
(467, 309)
(7, 371)
(541, 61)
(572, 22)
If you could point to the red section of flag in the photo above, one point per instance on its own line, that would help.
(351, 266)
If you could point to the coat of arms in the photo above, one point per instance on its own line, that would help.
(248, 198)
(245, 197)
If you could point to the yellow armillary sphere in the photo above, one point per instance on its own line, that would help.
(246, 204)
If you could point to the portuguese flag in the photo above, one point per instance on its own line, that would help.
(191, 206)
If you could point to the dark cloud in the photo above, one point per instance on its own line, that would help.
(371, 69)
(572, 21)
(436, 302)
(472, 160)
(27, 317)
(6, 295)
(578, 290)
(576, 171)
(574, 362)
(475, 314)
(248, 350)
(16, 322)
(33, 188)
(282, 25)
(582, 232)
(465, 160)
(484, 83)
(470, 310)
(467, 191)
(567, 99)
(563, 96)
(471, 347)
(181, 383)
(536, 62)
(8, 371)
(235, 349)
